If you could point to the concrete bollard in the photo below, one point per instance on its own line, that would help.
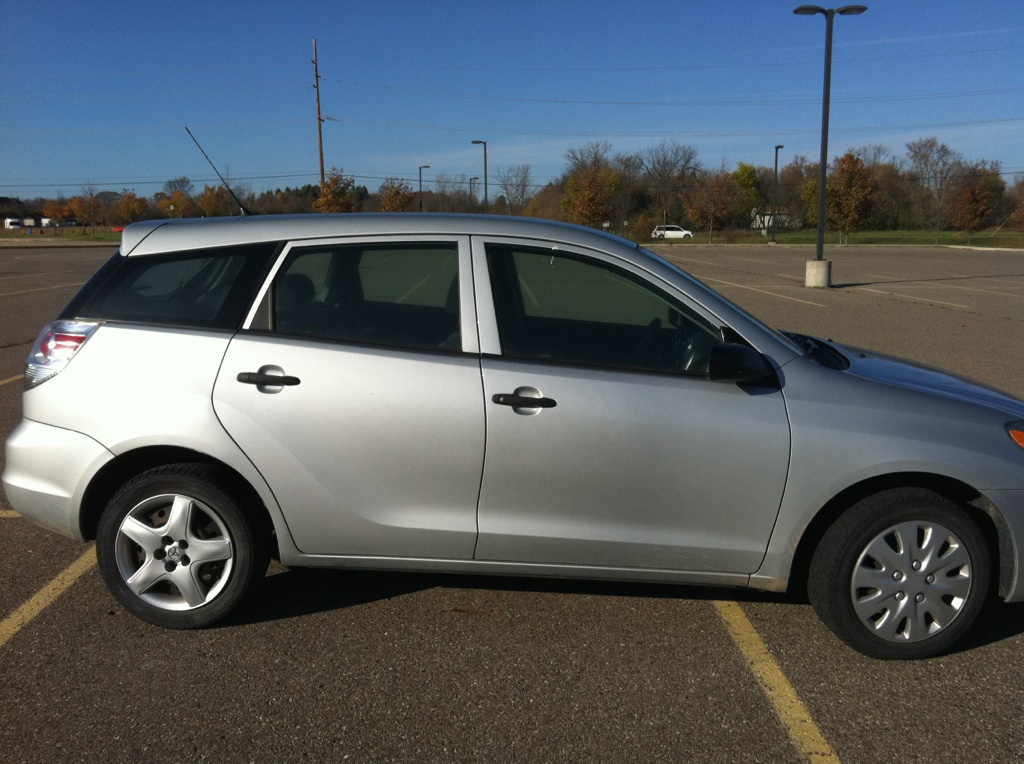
(819, 274)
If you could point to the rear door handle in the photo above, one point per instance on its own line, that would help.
(523, 401)
(258, 378)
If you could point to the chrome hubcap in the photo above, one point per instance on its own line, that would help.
(911, 581)
(174, 552)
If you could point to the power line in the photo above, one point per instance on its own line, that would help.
(692, 102)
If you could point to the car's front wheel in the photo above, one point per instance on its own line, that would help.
(903, 574)
(176, 548)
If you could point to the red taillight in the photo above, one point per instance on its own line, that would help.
(54, 348)
(60, 346)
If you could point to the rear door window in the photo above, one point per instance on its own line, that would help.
(396, 294)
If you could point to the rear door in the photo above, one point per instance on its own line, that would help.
(373, 441)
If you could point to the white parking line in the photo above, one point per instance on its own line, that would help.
(40, 289)
(940, 283)
(762, 291)
(14, 277)
(909, 297)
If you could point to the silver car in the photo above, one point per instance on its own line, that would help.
(499, 396)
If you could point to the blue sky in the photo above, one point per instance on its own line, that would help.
(99, 94)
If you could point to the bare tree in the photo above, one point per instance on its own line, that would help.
(594, 154)
(515, 186)
(666, 167)
(90, 205)
(182, 184)
(874, 154)
(630, 199)
(451, 194)
(712, 200)
(934, 166)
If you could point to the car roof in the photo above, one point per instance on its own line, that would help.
(157, 236)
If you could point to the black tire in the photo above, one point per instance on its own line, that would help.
(902, 574)
(177, 550)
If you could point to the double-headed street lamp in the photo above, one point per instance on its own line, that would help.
(422, 168)
(775, 191)
(484, 144)
(819, 272)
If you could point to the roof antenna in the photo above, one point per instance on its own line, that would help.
(237, 200)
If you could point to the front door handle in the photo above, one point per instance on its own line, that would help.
(523, 401)
(270, 380)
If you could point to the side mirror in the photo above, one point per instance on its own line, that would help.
(730, 362)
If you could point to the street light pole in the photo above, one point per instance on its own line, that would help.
(484, 144)
(775, 190)
(422, 168)
(819, 271)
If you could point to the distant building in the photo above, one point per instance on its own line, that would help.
(783, 220)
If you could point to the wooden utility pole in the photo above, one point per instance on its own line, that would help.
(319, 119)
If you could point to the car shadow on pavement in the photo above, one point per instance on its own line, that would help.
(1000, 621)
(292, 593)
(938, 280)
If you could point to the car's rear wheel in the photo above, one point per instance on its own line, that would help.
(176, 548)
(903, 574)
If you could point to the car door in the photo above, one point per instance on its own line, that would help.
(630, 457)
(373, 439)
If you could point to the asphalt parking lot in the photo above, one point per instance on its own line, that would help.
(330, 666)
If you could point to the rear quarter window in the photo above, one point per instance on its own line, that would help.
(208, 288)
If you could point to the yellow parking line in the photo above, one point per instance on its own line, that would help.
(11, 379)
(803, 731)
(8, 513)
(46, 596)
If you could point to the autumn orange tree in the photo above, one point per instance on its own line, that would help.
(395, 196)
(970, 210)
(131, 207)
(588, 196)
(1017, 204)
(337, 194)
(713, 199)
(590, 186)
(215, 201)
(176, 204)
(59, 211)
(849, 195)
